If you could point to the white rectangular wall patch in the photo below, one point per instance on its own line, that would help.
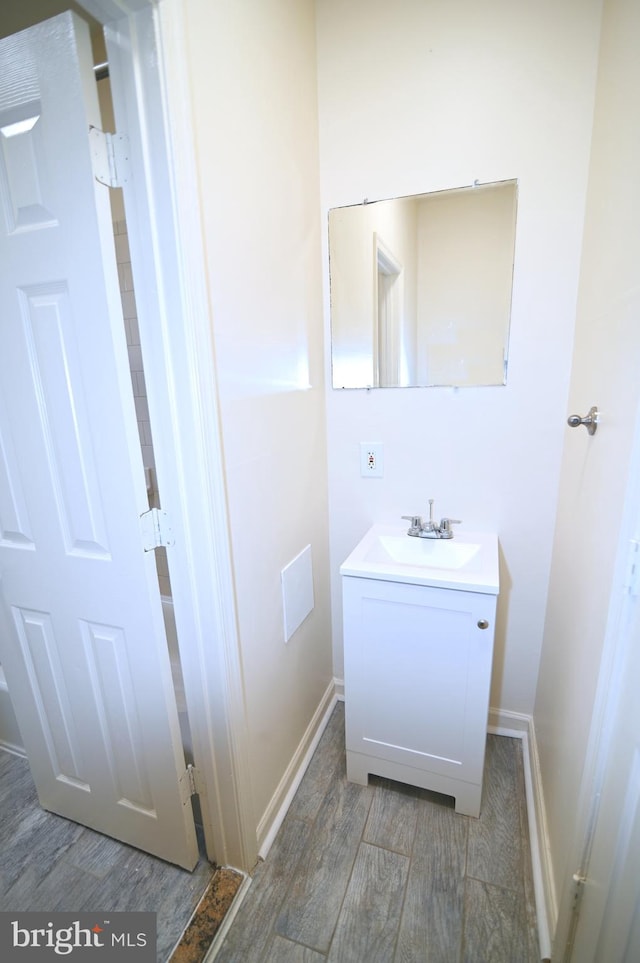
(297, 591)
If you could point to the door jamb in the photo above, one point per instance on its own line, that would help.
(603, 720)
(150, 88)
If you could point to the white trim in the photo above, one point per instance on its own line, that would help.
(387, 324)
(312, 736)
(542, 867)
(10, 737)
(281, 800)
(107, 10)
(148, 69)
(221, 718)
(520, 726)
(505, 723)
(11, 748)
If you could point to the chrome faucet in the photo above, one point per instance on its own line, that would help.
(430, 529)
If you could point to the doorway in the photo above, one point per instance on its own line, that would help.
(389, 306)
(143, 417)
(164, 237)
(83, 642)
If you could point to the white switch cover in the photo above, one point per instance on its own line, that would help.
(297, 591)
(371, 459)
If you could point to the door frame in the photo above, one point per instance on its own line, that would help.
(604, 716)
(146, 49)
(388, 300)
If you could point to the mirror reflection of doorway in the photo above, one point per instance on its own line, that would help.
(388, 321)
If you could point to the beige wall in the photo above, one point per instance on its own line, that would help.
(464, 296)
(427, 98)
(594, 474)
(252, 69)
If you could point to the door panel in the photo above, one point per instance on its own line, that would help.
(607, 926)
(82, 638)
(50, 380)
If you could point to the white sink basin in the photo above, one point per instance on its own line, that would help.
(441, 553)
(468, 561)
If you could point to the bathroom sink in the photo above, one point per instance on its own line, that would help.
(439, 552)
(468, 562)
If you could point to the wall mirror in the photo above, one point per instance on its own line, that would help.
(421, 288)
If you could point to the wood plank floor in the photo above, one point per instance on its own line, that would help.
(391, 874)
(49, 863)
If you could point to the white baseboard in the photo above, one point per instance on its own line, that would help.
(520, 726)
(281, 800)
(10, 738)
(288, 785)
(12, 748)
(503, 723)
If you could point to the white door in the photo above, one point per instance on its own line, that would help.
(81, 633)
(594, 487)
(608, 927)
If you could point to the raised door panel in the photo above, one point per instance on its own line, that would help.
(82, 639)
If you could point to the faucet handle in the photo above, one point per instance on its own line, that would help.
(416, 524)
(445, 526)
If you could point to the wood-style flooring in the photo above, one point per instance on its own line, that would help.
(49, 863)
(391, 874)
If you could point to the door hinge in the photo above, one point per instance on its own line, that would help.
(190, 783)
(578, 891)
(632, 576)
(156, 529)
(578, 885)
(110, 157)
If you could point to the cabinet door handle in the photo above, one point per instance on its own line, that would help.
(483, 624)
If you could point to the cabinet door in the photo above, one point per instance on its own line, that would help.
(417, 675)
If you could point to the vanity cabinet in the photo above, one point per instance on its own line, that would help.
(417, 674)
